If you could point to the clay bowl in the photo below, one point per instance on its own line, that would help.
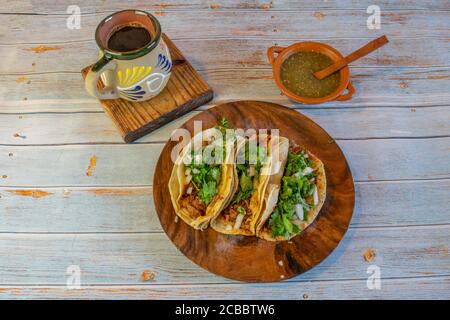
(283, 53)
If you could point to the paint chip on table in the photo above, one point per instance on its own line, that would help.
(34, 193)
(92, 165)
(369, 255)
(22, 79)
(42, 48)
(319, 15)
(148, 275)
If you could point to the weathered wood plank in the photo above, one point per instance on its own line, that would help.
(374, 86)
(121, 258)
(113, 209)
(60, 6)
(253, 23)
(122, 165)
(384, 159)
(340, 124)
(68, 165)
(225, 53)
(131, 209)
(434, 288)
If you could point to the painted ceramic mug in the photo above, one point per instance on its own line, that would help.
(136, 75)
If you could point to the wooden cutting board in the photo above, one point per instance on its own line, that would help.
(185, 91)
(250, 258)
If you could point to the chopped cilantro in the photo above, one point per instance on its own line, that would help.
(295, 189)
(241, 210)
(246, 188)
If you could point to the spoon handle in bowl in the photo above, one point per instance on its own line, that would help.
(361, 52)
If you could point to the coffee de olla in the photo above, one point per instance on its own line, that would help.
(135, 63)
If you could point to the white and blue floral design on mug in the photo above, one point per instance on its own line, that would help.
(164, 63)
(132, 81)
(136, 75)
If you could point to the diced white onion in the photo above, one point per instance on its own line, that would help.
(299, 211)
(188, 179)
(305, 172)
(315, 196)
(187, 159)
(238, 222)
(306, 155)
(251, 171)
(187, 172)
(197, 159)
(195, 171)
(189, 190)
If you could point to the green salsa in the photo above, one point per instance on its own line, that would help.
(297, 75)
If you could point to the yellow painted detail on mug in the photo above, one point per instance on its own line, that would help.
(127, 75)
(119, 75)
(132, 76)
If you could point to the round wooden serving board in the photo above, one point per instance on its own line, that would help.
(250, 258)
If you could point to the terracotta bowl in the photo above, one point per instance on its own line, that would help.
(284, 53)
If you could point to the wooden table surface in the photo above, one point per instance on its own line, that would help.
(60, 208)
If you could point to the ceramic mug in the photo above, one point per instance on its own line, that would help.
(136, 75)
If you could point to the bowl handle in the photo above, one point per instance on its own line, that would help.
(271, 51)
(350, 92)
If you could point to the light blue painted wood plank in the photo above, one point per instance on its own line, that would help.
(60, 7)
(67, 165)
(120, 209)
(29, 259)
(398, 158)
(435, 288)
(78, 210)
(374, 86)
(254, 23)
(34, 129)
(117, 165)
(228, 53)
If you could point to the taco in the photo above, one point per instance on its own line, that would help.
(201, 182)
(251, 174)
(293, 197)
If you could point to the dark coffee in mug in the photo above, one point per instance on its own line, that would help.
(134, 62)
(129, 38)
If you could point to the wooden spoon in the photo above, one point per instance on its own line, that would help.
(361, 52)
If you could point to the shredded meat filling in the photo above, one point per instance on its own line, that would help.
(230, 214)
(192, 203)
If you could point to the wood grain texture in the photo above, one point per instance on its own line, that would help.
(185, 91)
(375, 87)
(250, 258)
(125, 165)
(109, 259)
(234, 53)
(415, 288)
(240, 24)
(60, 7)
(341, 123)
(131, 209)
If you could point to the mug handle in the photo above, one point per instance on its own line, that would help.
(271, 51)
(93, 76)
(350, 92)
